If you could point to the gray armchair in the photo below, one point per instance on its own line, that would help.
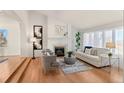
(49, 63)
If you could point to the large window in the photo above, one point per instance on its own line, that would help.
(89, 39)
(107, 37)
(119, 43)
(93, 39)
(100, 38)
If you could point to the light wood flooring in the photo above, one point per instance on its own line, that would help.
(27, 70)
(34, 73)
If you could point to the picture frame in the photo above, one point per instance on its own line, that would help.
(3, 37)
(37, 31)
(38, 34)
(38, 44)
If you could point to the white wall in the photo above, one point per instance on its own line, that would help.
(24, 28)
(13, 38)
(28, 19)
(36, 18)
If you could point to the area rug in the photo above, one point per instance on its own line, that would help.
(79, 66)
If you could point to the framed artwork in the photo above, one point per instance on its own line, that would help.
(3, 37)
(38, 44)
(37, 31)
(38, 35)
(60, 29)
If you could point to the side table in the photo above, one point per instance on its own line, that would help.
(110, 60)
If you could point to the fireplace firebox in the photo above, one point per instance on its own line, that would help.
(59, 50)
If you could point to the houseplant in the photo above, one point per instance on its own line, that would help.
(77, 37)
(69, 53)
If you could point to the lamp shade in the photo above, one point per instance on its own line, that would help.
(110, 45)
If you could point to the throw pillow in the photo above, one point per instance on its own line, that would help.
(88, 51)
(94, 51)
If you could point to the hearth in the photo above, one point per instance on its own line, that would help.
(59, 50)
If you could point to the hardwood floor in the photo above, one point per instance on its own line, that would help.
(16, 76)
(8, 67)
(34, 74)
(27, 70)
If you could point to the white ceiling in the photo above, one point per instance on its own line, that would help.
(84, 19)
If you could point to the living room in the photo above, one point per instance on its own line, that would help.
(80, 44)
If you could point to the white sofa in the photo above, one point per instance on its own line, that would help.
(93, 57)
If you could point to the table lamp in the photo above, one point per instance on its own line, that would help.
(110, 45)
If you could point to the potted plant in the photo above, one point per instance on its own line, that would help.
(77, 36)
(110, 54)
(69, 53)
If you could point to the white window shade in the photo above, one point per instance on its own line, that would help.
(119, 44)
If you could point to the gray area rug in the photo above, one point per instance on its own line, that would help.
(77, 67)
